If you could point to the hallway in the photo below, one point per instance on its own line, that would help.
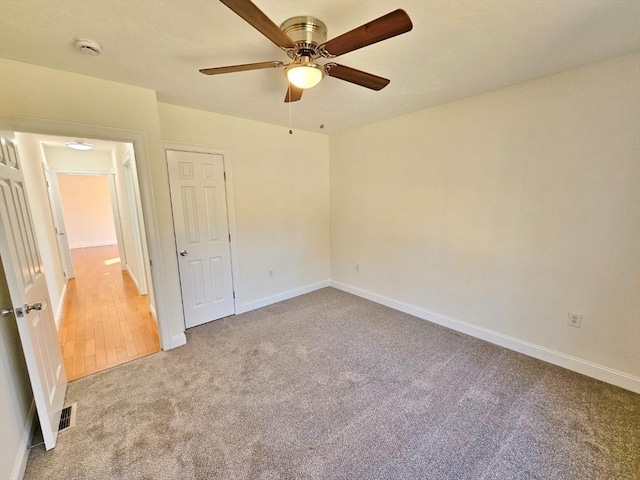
(105, 321)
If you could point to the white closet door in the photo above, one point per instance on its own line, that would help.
(199, 205)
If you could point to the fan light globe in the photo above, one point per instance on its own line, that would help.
(304, 76)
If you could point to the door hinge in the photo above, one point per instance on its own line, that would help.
(150, 263)
(225, 176)
(229, 238)
(234, 294)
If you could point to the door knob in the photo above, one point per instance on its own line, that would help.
(5, 312)
(183, 253)
(35, 306)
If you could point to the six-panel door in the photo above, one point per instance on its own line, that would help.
(199, 205)
(29, 294)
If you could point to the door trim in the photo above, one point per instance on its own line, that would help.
(140, 148)
(132, 197)
(116, 218)
(231, 206)
(58, 222)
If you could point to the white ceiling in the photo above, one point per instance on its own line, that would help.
(456, 49)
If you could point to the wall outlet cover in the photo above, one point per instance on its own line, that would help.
(574, 319)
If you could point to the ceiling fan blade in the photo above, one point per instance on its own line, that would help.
(258, 20)
(387, 26)
(357, 77)
(293, 94)
(240, 68)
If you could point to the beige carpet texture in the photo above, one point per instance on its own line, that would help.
(331, 386)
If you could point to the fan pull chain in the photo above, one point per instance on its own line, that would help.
(321, 105)
(290, 128)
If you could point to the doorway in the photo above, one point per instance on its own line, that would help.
(105, 318)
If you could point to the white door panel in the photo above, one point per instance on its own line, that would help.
(199, 205)
(29, 294)
(58, 222)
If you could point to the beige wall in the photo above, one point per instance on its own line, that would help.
(281, 181)
(129, 208)
(281, 185)
(506, 211)
(63, 158)
(15, 395)
(86, 207)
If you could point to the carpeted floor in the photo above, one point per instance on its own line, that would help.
(328, 386)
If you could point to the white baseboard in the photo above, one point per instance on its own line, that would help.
(59, 311)
(133, 279)
(177, 341)
(279, 297)
(92, 244)
(152, 311)
(590, 369)
(20, 462)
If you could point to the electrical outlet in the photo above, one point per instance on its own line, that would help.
(357, 267)
(574, 319)
(270, 273)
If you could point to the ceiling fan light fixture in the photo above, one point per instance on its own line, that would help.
(304, 75)
(80, 145)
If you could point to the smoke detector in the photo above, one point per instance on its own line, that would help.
(86, 46)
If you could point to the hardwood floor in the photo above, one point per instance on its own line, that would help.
(105, 321)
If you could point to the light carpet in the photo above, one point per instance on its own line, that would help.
(331, 386)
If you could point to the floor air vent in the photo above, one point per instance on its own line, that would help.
(68, 417)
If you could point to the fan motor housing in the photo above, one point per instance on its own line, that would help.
(307, 32)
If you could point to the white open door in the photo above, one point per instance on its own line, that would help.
(58, 223)
(117, 222)
(29, 296)
(199, 204)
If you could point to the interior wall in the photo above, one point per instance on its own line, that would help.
(63, 158)
(86, 207)
(43, 93)
(506, 210)
(31, 156)
(15, 395)
(130, 214)
(281, 185)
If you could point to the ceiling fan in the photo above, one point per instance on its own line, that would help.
(304, 38)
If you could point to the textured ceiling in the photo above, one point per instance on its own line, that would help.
(456, 49)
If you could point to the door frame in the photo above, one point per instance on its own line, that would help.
(231, 207)
(64, 252)
(132, 202)
(113, 199)
(143, 162)
(115, 202)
